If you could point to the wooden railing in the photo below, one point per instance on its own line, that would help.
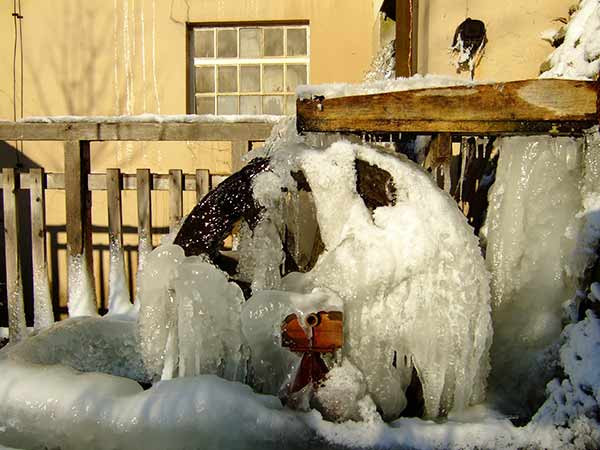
(78, 184)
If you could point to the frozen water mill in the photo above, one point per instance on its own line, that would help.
(405, 270)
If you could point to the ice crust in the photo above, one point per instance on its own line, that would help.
(82, 300)
(118, 291)
(531, 235)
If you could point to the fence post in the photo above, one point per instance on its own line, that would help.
(81, 295)
(238, 150)
(17, 328)
(43, 315)
(144, 205)
(202, 183)
(175, 198)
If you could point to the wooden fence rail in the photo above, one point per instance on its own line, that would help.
(78, 134)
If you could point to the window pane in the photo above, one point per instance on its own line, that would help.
(205, 79)
(273, 104)
(250, 104)
(227, 43)
(273, 78)
(273, 42)
(204, 43)
(296, 42)
(296, 74)
(290, 104)
(205, 105)
(227, 104)
(250, 42)
(250, 78)
(228, 79)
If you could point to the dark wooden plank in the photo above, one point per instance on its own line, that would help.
(17, 328)
(79, 225)
(516, 107)
(407, 20)
(135, 131)
(42, 303)
(113, 195)
(202, 183)
(144, 206)
(175, 198)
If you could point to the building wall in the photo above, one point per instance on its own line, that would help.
(514, 49)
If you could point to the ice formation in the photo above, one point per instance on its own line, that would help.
(189, 317)
(531, 235)
(82, 301)
(42, 304)
(400, 275)
(118, 291)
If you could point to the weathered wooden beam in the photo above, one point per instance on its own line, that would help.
(78, 199)
(175, 198)
(407, 21)
(238, 150)
(17, 328)
(97, 181)
(144, 206)
(42, 302)
(202, 183)
(516, 107)
(135, 131)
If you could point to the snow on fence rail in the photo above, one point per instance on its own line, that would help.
(78, 183)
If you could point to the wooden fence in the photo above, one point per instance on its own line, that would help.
(78, 184)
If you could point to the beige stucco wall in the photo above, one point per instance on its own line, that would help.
(514, 49)
(112, 57)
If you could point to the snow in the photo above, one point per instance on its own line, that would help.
(578, 57)
(377, 87)
(532, 211)
(155, 118)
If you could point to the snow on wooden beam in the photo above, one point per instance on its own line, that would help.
(515, 107)
(135, 131)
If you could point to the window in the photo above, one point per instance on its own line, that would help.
(247, 69)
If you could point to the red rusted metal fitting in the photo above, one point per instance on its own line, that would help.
(326, 336)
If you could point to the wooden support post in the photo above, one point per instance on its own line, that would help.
(42, 301)
(202, 183)
(144, 203)
(438, 159)
(238, 150)
(118, 295)
(17, 328)
(175, 198)
(82, 298)
(407, 24)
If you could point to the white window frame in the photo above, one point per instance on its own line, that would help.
(215, 62)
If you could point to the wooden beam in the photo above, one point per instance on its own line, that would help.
(17, 328)
(407, 25)
(135, 131)
(515, 107)
(202, 183)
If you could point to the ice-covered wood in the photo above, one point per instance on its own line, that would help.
(42, 301)
(14, 289)
(144, 205)
(516, 107)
